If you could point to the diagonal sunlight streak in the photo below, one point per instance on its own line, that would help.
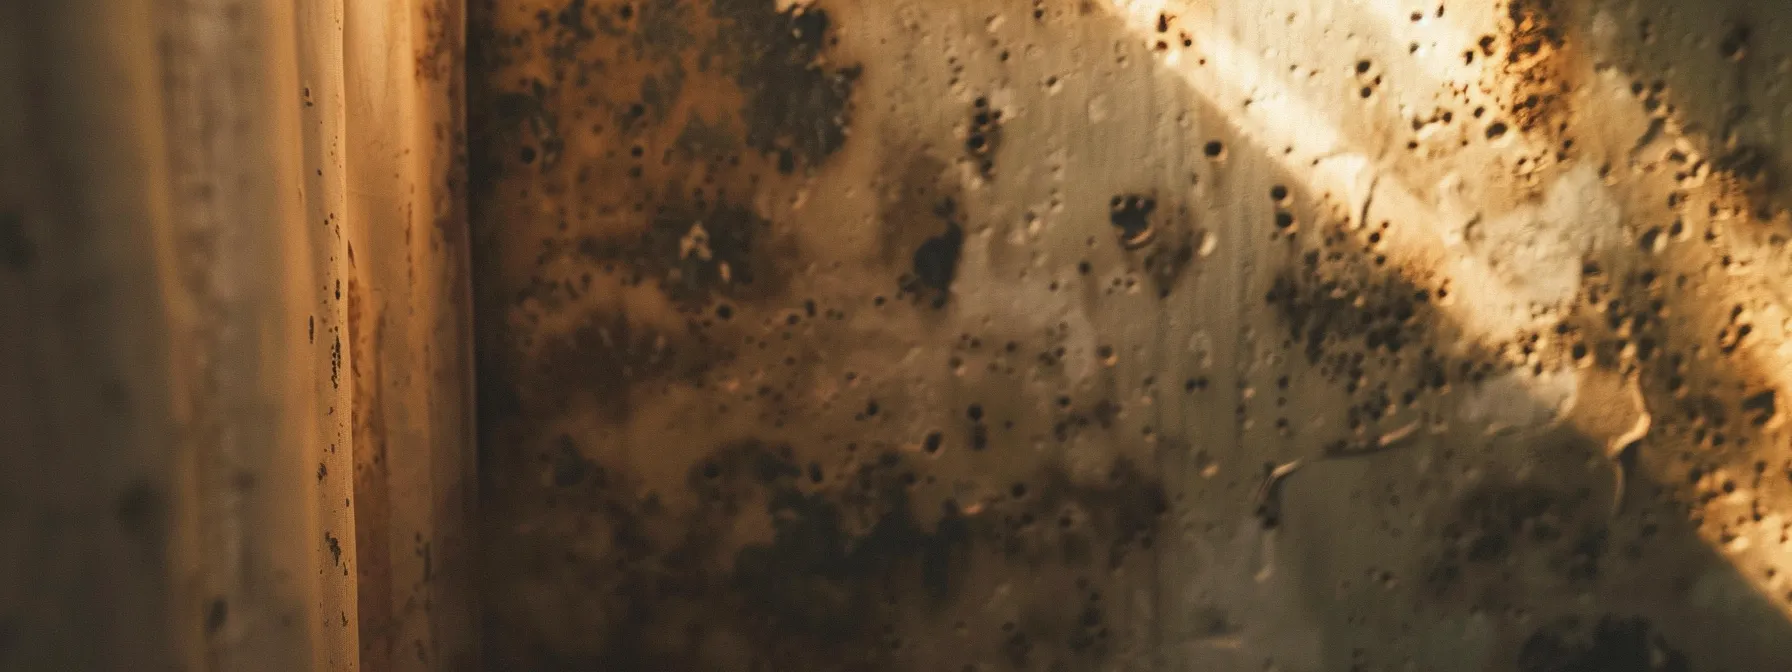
(1272, 111)
(1277, 117)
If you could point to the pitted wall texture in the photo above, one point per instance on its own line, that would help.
(1131, 335)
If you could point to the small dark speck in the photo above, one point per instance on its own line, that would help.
(215, 616)
(141, 511)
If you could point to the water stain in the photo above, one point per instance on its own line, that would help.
(843, 558)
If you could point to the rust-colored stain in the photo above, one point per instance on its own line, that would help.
(373, 507)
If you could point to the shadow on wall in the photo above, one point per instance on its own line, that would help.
(855, 563)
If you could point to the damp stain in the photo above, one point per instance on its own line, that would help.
(841, 557)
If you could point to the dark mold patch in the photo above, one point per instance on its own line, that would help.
(602, 362)
(914, 206)
(797, 106)
(1616, 645)
(1734, 44)
(1495, 524)
(1323, 313)
(1752, 170)
(699, 250)
(1131, 216)
(851, 552)
(935, 262)
(1079, 524)
(1167, 263)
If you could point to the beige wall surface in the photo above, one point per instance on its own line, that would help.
(1131, 334)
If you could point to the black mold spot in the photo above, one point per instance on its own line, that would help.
(935, 262)
(1761, 407)
(1131, 215)
(984, 137)
(1734, 45)
(335, 546)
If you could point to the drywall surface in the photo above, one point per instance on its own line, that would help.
(1131, 335)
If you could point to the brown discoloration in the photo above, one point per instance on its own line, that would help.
(604, 362)
(1539, 81)
(1496, 524)
(372, 556)
(626, 156)
(699, 250)
(851, 554)
(438, 57)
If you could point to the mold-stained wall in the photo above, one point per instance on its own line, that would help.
(1295, 335)
(1131, 334)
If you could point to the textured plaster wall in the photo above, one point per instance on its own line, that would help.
(1132, 335)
